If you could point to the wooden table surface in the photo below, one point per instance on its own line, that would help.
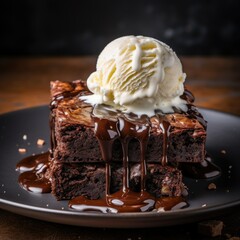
(24, 82)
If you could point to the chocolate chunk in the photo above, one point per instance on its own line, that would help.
(212, 228)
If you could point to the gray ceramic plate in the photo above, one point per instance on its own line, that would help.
(223, 143)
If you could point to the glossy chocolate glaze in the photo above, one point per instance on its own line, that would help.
(33, 173)
(165, 126)
(125, 127)
(170, 203)
(109, 125)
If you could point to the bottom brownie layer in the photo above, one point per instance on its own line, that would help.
(72, 180)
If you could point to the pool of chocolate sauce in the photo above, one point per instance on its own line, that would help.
(124, 127)
(33, 173)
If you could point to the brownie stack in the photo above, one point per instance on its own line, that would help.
(77, 166)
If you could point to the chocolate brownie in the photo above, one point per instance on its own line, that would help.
(78, 167)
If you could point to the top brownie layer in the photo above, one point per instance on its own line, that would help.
(73, 138)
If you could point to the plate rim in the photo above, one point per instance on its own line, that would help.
(86, 219)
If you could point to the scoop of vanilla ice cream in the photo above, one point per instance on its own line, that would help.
(138, 74)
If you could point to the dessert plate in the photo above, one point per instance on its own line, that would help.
(22, 129)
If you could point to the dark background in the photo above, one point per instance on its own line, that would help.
(47, 27)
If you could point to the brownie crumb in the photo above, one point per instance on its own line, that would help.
(212, 228)
(212, 186)
(22, 150)
(40, 142)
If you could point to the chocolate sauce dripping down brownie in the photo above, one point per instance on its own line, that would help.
(109, 144)
(82, 140)
(124, 127)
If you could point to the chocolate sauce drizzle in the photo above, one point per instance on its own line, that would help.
(123, 127)
(33, 173)
(165, 126)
